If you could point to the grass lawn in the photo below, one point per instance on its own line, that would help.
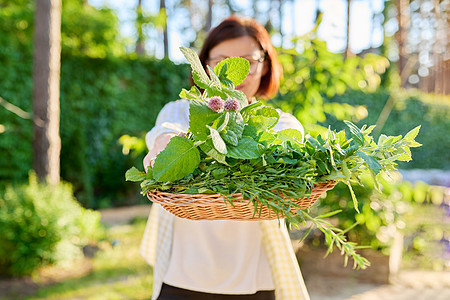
(117, 272)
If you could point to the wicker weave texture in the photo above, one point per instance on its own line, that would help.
(214, 207)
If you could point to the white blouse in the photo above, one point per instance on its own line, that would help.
(221, 257)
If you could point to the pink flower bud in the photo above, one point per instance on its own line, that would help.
(216, 104)
(232, 104)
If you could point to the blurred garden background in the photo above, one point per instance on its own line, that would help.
(82, 81)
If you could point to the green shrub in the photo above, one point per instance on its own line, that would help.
(42, 224)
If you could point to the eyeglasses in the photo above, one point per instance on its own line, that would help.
(254, 63)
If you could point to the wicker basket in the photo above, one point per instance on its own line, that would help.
(213, 207)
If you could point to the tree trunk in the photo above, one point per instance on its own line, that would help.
(255, 9)
(140, 46)
(208, 22)
(280, 17)
(402, 7)
(162, 7)
(47, 61)
(230, 7)
(348, 53)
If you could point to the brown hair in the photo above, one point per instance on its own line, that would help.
(234, 27)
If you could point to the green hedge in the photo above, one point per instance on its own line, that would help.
(410, 109)
(101, 99)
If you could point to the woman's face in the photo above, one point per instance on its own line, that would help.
(245, 47)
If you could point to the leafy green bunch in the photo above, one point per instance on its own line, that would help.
(235, 151)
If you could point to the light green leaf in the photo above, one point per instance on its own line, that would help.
(413, 144)
(246, 149)
(356, 133)
(134, 174)
(217, 140)
(290, 134)
(214, 79)
(371, 162)
(178, 159)
(193, 93)
(406, 156)
(237, 69)
(209, 149)
(198, 73)
(412, 134)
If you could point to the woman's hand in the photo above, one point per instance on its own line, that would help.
(161, 142)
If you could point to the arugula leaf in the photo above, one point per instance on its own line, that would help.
(201, 115)
(178, 159)
(237, 69)
(198, 73)
(134, 174)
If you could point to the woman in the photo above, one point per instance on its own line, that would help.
(222, 259)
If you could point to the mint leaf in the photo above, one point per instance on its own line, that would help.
(262, 123)
(209, 149)
(134, 174)
(247, 110)
(237, 69)
(214, 79)
(233, 132)
(371, 162)
(217, 140)
(201, 115)
(246, 149)
(198, 73)
(178, 159)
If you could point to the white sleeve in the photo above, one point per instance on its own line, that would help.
(288, 121)
(173, 118)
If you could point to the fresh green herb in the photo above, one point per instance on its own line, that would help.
(230, 148)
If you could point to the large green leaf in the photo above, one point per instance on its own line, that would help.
(201, 115)
(246, 149)
(371, 162)
(178, 159)
(217, 140)
(233, 131)
(198, 73)
(237, 69)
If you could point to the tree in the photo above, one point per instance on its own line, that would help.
(347, 42)
(140, 46)
(162, 10)
(47, 61)
(402, 7)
